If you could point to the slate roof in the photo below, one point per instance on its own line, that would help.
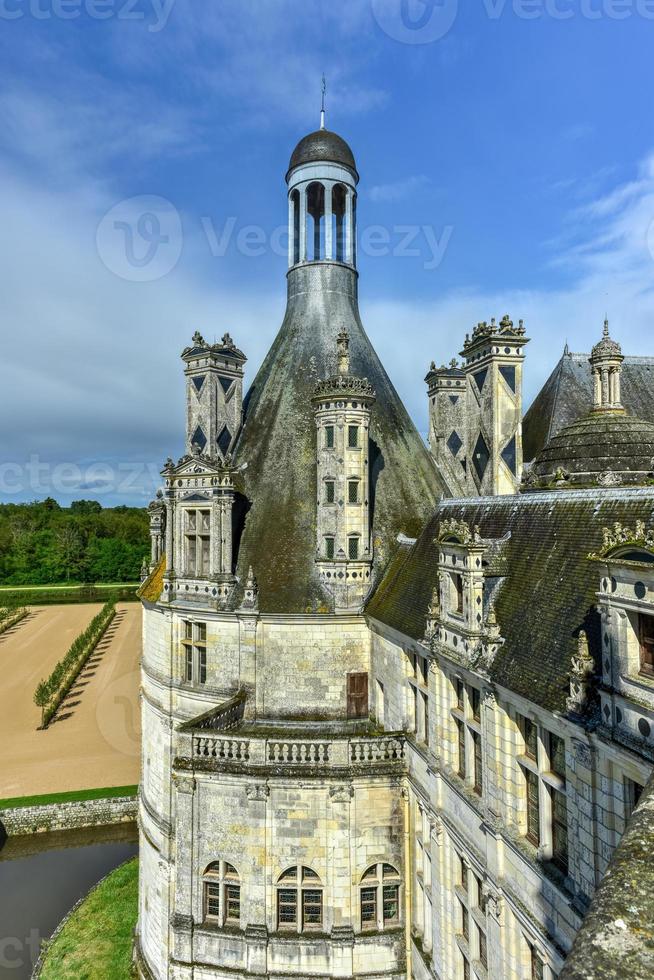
(599, 443)
(549, 589)
(322, 146)
(568, 395)
(277, 446)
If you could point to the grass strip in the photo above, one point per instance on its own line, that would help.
(96, 941)
(74, 796)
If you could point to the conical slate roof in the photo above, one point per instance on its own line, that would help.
(277, 446)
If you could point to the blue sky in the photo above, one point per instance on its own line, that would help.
(515, 139)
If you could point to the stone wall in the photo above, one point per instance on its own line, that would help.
(68, 816)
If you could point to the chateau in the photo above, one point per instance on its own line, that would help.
(397, 702)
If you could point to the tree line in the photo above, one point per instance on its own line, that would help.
(42, 543)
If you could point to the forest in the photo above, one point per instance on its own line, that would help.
(42, 543)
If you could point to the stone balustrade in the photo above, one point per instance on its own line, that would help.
(225, 750)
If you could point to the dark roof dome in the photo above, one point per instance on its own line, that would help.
(323, 145)
(602, 449)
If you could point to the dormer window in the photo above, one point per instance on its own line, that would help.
(646, 639)
(198, 539)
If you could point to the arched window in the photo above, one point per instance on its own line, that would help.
(338, 222)
(295, 201)
(299, 900)
(380, 897)
(222, 894)
(316, 229)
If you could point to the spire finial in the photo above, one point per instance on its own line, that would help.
(322, 105)
(606, 325)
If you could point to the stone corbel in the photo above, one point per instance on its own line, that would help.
(341, 793)
(257, 792)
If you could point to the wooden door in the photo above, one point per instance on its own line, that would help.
(357, 695)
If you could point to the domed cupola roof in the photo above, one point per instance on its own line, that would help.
(602, 449)
(607, 447)
(323, 146)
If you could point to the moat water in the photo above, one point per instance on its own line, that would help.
(42, 877)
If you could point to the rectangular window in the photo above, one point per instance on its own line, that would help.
(533, 807)
(329, 549)
(461, 738)
(560, 830)
(458, 588)
(353, 549)
(632, 794)
(201, 632)
(483, 950)
(530, 735)
(478, 773)
(475, 703)
(425, 715)
(460, 695)
(330, 491)
(391, 896)
(188, 630)
(233, 895)
(369, 908)
(646, 637)
(202, 665)
(287, 908)
(329, 437)
(353, 492)
(537, 965)
(357, 695)
(465, 922)
(311, 908)
(463, 873)
(212, 900)
(188, 674)
(557, 756)
(353, 436)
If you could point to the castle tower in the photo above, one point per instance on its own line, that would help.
(606, 365)
(493, 361)
(448, 427)
(344, 550)
(214, 395)
(270, 805)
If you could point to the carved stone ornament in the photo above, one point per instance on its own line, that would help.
(460, 530)
(618, 535)
(341, 793)
(258, 792)
(251, 592)
(583, 753)
(583, 668)
(608, 478)
(493, 903)
(436, 829)
(184, 783)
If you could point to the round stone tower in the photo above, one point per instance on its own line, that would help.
(271, 809)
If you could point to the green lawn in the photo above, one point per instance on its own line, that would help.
(71, 797)
(96, 942)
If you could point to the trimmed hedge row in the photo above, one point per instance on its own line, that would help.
(75, 593)
(51, 692)
(10, 616)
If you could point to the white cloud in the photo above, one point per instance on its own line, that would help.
(398, 190)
